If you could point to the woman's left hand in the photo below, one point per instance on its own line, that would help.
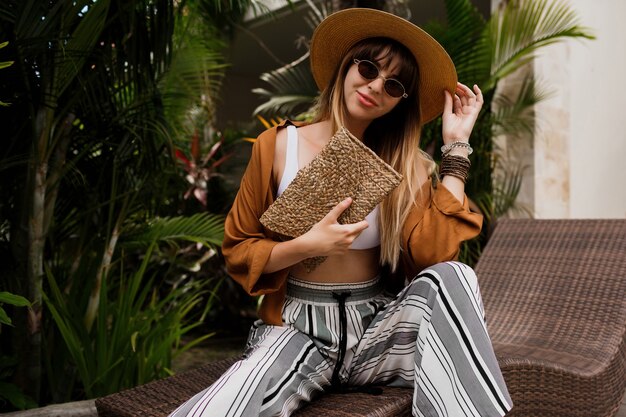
(460, 113)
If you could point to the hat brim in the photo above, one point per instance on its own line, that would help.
(336, 34)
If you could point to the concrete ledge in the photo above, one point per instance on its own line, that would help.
(85, 408)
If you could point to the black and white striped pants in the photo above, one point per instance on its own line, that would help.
(431, 336)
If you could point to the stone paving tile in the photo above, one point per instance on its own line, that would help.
(209, 351)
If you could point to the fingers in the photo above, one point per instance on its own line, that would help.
(466, 95)
(349, 233)
(447, 103)
(457, 104)
(469, 97)
(329, 237)
(336, 211)
(479, 94)
(357, 228)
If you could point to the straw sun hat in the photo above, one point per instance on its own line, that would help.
(341, 30)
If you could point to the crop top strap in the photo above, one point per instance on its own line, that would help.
(291, 159)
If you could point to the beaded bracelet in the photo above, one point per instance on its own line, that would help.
(445, 149)
(456, 166)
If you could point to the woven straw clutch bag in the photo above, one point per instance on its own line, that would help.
(345, 167)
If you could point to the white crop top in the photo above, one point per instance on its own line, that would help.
(370, 237)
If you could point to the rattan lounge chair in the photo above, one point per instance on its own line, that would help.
(159, 398)
(555, 299)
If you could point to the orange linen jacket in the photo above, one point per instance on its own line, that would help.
(432, 233)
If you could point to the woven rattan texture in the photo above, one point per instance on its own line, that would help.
(345, 167)
(555, 299)
(159, 398)
(394, 402)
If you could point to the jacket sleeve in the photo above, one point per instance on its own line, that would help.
(246, 247)
(436, 226)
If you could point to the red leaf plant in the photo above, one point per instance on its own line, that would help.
(200, 169)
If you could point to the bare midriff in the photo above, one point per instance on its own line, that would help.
(353, 266)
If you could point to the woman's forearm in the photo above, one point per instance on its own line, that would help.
(455, 185)
(286, 254)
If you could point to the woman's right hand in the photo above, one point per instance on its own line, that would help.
(328, 236)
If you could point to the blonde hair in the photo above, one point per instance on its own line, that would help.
(395, 137)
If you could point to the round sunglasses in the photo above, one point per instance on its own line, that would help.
(370, 71)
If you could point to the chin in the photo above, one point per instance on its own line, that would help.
(366, 117)
(360, 114)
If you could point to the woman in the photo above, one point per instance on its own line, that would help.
(337, 327)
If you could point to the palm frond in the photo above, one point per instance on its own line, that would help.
(470, 251)
(316, 13)
(13, 161)
(257, 8)
(36, 20)
(292, 86)
(194, 77)
(81, 40)
(291, 77)
(502, 200)
(463, 16)
(282, 104)
(204, 228)
(515, 32)
(8, 13)
(505, 194)
(515, 115)
(5, 64)
(223, 16)
(461, 38)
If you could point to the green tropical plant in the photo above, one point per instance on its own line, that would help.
(72, 64)
(140, 320)
(9, 391)
(12, 299)
(101, 92)
(4, 64)
(292, 90)
(484, 52)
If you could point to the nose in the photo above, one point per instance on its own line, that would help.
(377, 84)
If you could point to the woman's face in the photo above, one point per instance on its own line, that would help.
(366, 99)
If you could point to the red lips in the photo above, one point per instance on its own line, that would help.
(366, 100)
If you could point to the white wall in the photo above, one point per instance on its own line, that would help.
(579, 145)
